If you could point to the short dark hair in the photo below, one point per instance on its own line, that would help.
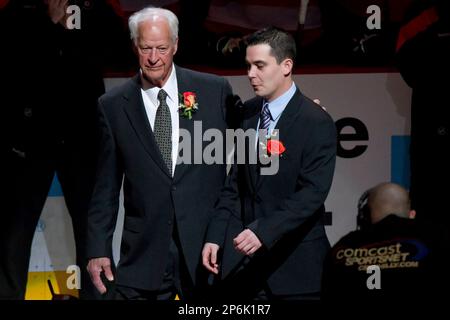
(282, 44)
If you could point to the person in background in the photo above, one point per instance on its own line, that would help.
(422, 56)
(52, 65)
(411, 255)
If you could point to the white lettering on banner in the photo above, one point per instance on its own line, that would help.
(74, 280)
(73, 21)
(374, 281)
(374, 21)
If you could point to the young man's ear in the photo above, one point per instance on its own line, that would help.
(412, 214)
(287, 65)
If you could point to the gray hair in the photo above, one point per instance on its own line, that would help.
(150, 13)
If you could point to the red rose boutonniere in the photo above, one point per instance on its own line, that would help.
(272, 145)
(188, 104)
(275, 147)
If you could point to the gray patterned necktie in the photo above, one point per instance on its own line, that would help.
(163, 129)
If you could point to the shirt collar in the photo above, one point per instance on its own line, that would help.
(278, 105)
(170, 87)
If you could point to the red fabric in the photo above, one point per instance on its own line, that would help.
(115, 4)
(416, 26)
(3, 3)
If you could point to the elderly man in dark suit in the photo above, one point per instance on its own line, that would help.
(279, 232)
(167, 205)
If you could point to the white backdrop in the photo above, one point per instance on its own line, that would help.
(381, 101)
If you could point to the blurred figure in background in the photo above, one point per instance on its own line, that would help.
(423, 58)
(412, 256)
(52, 62)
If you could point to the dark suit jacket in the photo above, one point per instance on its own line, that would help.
(152, 199)
(284, 210)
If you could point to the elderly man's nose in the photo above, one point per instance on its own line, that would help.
(153, 57)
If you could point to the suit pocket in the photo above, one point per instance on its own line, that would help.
(133, 224)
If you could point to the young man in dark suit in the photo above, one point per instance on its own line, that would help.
(167, 205)
(273, 248)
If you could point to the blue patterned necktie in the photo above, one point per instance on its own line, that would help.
(265, 117)
(163, 129)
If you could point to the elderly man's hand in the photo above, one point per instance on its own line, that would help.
(95, 268)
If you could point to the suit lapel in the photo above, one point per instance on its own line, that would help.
(286, 120)
(137, 116)
(185, 123)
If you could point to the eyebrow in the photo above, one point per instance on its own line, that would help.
(257, 62)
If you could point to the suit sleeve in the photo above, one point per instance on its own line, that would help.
(104, 205)
(227, 205)
(228, 202)
(313, 185)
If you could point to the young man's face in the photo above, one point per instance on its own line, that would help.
(268, 78)
(155, 48)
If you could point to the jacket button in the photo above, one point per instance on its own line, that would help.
(174, 188)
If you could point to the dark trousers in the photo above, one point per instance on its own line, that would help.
(176, 281)
(249, 283)
(29, 181)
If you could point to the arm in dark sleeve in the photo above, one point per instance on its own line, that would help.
(228, 202)
(227, 205)
(104, 205)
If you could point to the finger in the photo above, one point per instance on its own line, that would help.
(241, 246)
(240, 237)
(98, 283)
(108, 273)
(214, 268)
(209, 267)
(213, 258)
(247, 248)
(205, 257)
(252, 251)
